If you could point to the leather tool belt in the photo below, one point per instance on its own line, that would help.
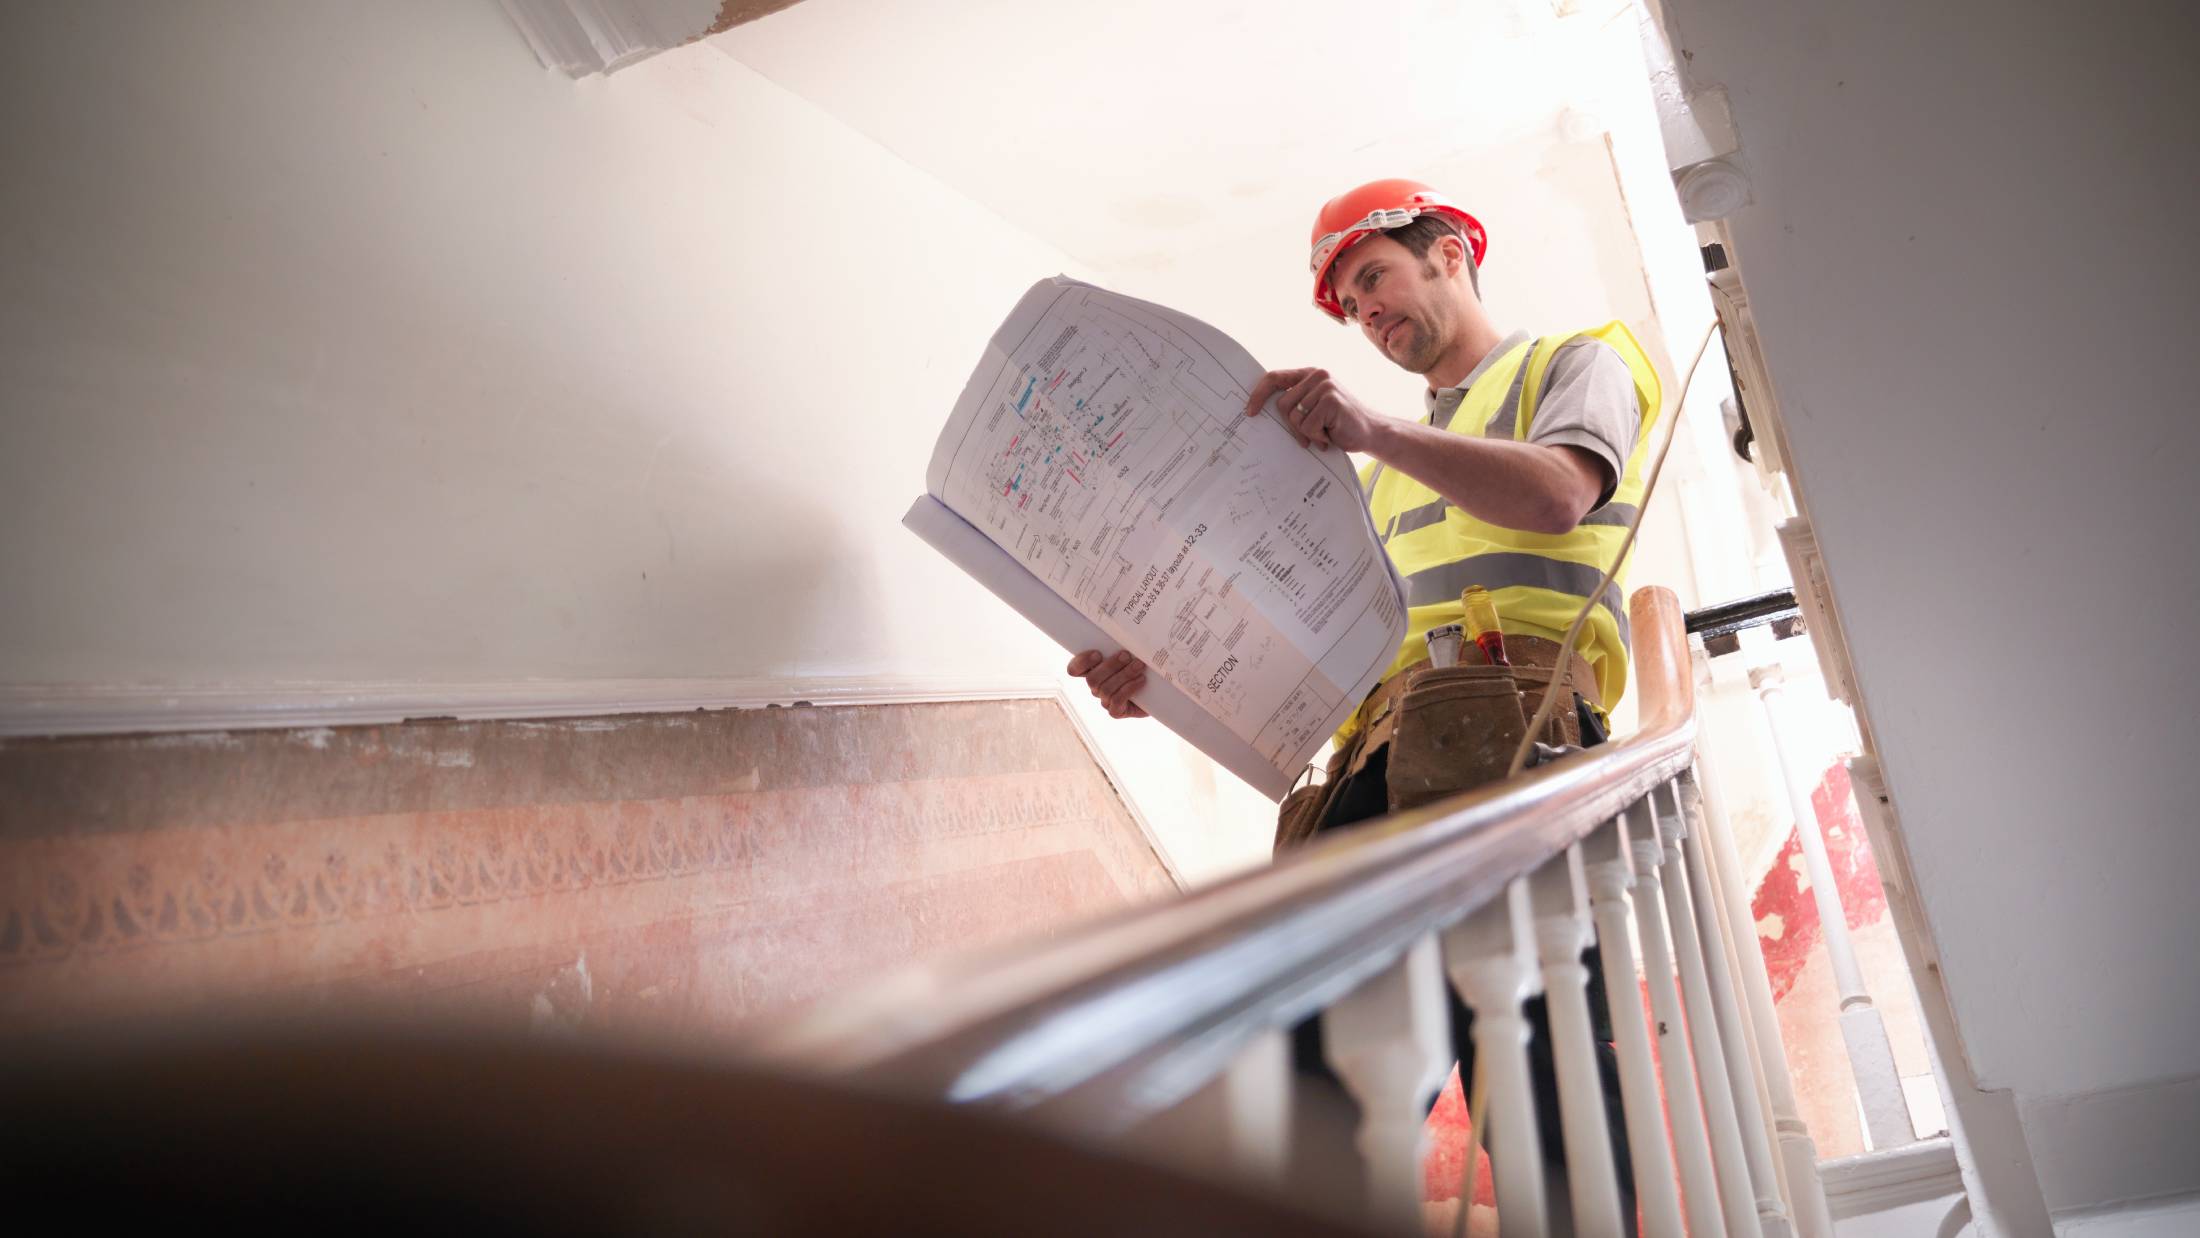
(1446, 729)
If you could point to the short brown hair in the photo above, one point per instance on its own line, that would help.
(1421, 235)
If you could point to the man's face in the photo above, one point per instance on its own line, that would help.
(1405, 306)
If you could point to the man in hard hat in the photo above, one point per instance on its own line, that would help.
(1521, 476)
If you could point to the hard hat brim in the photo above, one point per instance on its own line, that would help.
(1332, 246)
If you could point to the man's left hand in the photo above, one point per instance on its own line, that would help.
(1318, 412)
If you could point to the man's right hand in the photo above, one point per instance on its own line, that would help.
(1114, 678)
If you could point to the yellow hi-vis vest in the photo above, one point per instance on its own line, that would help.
(1538, 580)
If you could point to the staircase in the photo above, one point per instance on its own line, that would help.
(1164, 1030)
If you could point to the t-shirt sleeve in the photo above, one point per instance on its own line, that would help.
(1588, 402)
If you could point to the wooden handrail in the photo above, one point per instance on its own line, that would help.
(1121, 1017)
(1665, 685)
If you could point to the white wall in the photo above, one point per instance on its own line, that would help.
(1972, 260)
(346, 343)
(1197, 186)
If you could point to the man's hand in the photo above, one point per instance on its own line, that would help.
(1538, 487)
(1318, 412)
(1114, 679)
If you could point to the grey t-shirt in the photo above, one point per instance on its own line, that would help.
(1587, 401)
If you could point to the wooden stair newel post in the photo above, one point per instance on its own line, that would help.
(1871, 1055)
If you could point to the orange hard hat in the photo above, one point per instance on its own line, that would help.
(1377, 206)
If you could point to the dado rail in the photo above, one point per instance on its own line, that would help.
(1165, 1028)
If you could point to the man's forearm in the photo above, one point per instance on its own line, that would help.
(1531, 486)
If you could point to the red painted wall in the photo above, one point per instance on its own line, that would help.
(655, 874)
(1784, 894)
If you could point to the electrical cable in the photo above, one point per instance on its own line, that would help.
(1478, 1100)
(1626, 545)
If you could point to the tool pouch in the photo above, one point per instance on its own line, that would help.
(1456, 728)
(1301, 813)
(1563, 727)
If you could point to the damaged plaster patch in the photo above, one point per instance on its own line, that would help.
(562, 1005)
(194, 739)
(431, 748)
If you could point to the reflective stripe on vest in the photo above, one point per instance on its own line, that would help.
(1512, 569)
(1537, 580)
(1429, 513)
(1618, 515)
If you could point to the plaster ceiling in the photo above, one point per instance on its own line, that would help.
(1124, 133)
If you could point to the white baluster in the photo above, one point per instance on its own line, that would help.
(1734, 1034)
(1560, 893)
(1239, 1125)
(1691, 1143)
(1257, 1101)
(1798, 1163)
(1736, 1194)
(1491, 958)
(1871, 1055)
(1611, 872)
(1390, 1042)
